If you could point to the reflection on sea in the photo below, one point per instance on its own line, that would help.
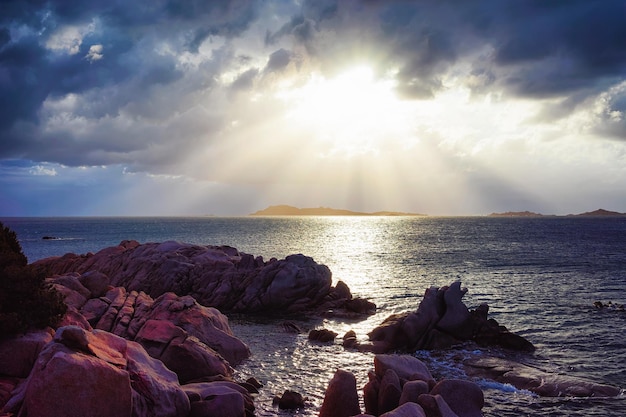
(540, 277)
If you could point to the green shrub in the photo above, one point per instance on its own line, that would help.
(26, 301)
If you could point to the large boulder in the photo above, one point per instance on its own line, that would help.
(218, 276)
(82, 373)
(341, 398)
(221, 398)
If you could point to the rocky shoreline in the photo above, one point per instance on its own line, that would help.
(139, 339)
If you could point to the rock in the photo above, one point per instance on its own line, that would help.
(223, 399)
(254, 382)
(92, 382)
(73, 317)
(535, 380)
(7, 386)
(435, 405)
(389, 392)
(207, 324)
(455, 320)
(291, 327)
(405, 366)
(406, 410)
(18, 354)
(219, 276)
(442, 321)
(71, 297)
(72, 282)
(411, 390)
(94, 309)
(350, 340)
(96, 282)
(290, 400)
(156, 391)
(322, 335)
(370, 394)
(341, 398)
(465, 398)
(360, 306)
(82, 373)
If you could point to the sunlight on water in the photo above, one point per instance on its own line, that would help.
(540, 278)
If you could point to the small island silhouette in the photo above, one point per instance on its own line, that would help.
(595, 213)
(285, 210)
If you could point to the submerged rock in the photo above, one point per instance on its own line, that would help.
(536, 380)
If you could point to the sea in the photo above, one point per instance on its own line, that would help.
(540, 277)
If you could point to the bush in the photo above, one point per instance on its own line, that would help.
(26, 301)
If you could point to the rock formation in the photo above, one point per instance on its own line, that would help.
(399, 386)
(535, 380)
(217, 276)
(442, 320)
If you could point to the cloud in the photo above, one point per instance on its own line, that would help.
(193, 88)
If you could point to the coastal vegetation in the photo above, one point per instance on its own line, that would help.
(26, 301)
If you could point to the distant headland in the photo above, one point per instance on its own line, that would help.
(595, 213)
(285, 210)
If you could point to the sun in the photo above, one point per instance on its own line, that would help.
(351, 113)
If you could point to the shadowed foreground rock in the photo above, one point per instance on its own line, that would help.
(217, 276)
(402, 386)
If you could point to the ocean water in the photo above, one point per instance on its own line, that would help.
(540, 277)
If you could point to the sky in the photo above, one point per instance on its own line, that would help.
(190, 107)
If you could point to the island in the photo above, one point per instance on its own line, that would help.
(285, 210)
(595, 213)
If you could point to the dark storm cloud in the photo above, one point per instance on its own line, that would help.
(540, 48)
(116, 57)
(127, 60)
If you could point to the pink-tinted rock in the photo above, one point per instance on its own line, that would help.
(455, 320)
(74, 384)
(341, 398)
(406, 410)
(192, 359)
(465, 398)
(182, 353)
(18, 354)
(82, 373)
(7, 385)
(205, 323)
(435, 405)
(215, 275)
(411, 390)
(405, 366)
(322, 335)
(290, 400)
(221, 398)
(72, 282)
(156, 391)
(389, 392)
(72, 298)
(94, 309)
(536, 380)
(370, 394)
(96, 282)
(73, 317)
